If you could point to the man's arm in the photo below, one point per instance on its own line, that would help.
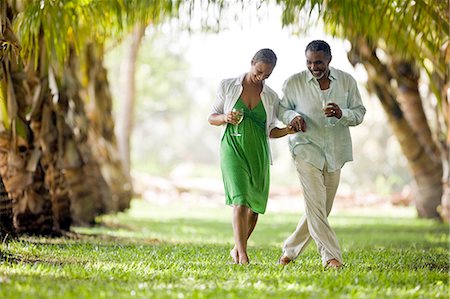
(286, 112)
(354, 114)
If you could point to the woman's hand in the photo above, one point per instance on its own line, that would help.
(277, 132)
(217, 119)
(290, 130)
(232, 117)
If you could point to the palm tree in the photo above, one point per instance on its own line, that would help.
(414, 37)
(20, 169)
(46, 158)
(102, 137)
(6, 215)
(405, 114)
(59, 157)
(126, 112)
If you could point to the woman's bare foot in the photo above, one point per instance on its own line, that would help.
(234, 255)
(243, 260)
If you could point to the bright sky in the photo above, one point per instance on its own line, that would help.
(228, 53)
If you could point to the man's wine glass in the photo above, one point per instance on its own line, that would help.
(325, 102)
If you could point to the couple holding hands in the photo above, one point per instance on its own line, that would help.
(318, 107)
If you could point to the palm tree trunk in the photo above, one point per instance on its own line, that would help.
(443, 129)
(6, 214)
(32, 207)
(408, 96)
(104, 144)
(21, 173)
(425, 168)
(125, 114)
(88, 191)
(407, 78)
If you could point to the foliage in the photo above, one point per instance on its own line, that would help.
(417, 29)
(68, 22)
(414, 30)
(180, 252)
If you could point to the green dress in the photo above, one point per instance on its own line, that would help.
(244, 160)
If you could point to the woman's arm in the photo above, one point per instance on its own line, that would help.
(217, 119)
(281, 132)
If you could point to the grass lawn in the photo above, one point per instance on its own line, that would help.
(181, 251)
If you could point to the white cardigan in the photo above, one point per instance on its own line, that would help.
(228, 94)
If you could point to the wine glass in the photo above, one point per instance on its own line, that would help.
(238, 113)
(325, 102)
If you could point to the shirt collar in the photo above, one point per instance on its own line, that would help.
(240, 79)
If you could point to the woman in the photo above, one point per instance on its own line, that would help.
(245, 152)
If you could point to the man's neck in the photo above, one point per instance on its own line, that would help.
(324, 82)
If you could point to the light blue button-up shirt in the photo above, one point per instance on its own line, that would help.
(321, 145)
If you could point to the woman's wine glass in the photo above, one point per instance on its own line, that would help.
(238, 113)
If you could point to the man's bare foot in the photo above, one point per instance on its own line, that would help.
(334, 263)
(234, 255)
(284, 260)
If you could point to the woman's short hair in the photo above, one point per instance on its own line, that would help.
(319, 45)
(266, 56)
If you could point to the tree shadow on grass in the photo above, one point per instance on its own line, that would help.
(369, 243)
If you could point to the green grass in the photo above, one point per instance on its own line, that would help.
(181, 251)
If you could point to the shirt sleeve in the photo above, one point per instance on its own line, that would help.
(218, 106)
(286, 111)
(274, 117)
(354, 114)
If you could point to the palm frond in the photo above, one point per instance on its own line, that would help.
(62, 24)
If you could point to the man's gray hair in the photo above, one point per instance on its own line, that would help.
(319, 45)
(266, 56)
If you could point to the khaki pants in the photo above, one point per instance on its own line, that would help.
(319, 189)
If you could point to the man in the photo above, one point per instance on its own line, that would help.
(321, 103)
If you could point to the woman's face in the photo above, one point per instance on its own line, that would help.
(260, 71)
(317, 63)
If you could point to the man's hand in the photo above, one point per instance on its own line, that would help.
(333, 110)
(298, 124)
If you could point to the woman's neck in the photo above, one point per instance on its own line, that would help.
(249, 82)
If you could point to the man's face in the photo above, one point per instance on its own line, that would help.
(317, 63)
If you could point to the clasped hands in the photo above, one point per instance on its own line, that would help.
(298, 124)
